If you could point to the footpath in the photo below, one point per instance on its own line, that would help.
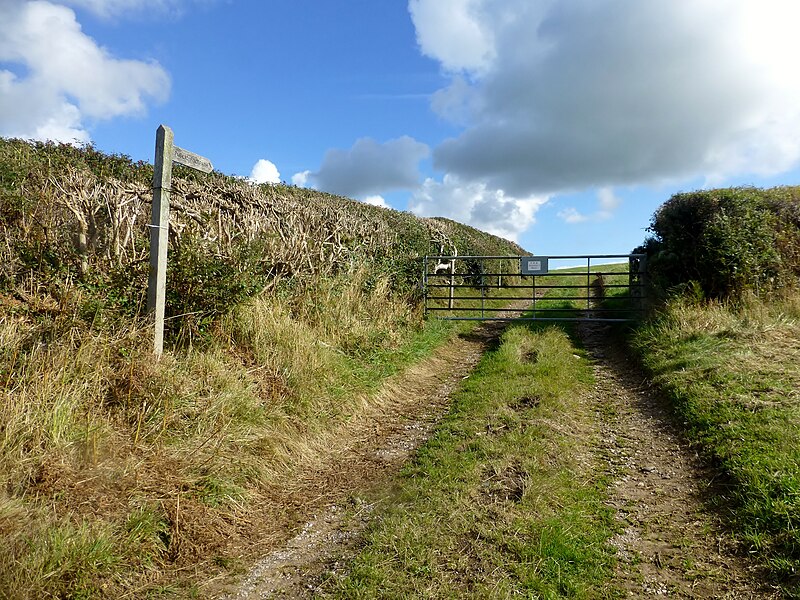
(670, 542)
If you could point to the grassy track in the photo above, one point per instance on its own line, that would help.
(504, 500)
(733, 376)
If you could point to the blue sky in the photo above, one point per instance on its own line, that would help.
(561, 124)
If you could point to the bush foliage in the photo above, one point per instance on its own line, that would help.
(726, 243)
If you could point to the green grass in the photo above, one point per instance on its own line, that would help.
(503, 500)
(66, 560)
(732, 375)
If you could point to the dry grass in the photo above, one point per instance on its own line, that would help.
(140, 468)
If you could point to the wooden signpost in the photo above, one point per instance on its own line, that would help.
(166, 153)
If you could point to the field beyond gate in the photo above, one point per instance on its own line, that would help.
(601, 287)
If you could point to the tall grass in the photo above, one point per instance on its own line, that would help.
(732, 373)
(100, 446)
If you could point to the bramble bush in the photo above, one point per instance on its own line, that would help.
(726, 243)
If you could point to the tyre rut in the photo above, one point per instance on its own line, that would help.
(671, 542)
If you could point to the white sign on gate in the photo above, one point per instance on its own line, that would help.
(533, 265)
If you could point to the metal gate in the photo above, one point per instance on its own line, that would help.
(599, 287)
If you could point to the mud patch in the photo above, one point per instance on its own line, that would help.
(531, 357)
(524, 402)
(506, 485)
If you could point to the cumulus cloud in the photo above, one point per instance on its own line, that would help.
(265, 171)
(453, 32)
(558, 96)
(55, 77)
(376, 200)
(476, 204)
(301, 179)
(368, 168)
(607, 203)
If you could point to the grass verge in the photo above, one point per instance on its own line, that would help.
(503, 500)
(733, 377)
(120, 476)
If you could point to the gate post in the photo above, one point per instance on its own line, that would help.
(452, 282)
(643, 284)
(637, 281)
(425, 286)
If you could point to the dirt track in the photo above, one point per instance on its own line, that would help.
(332, 510)
(669, 544)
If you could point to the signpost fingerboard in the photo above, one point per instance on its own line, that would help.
(166, 153)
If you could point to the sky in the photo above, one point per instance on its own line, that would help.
(560, 124)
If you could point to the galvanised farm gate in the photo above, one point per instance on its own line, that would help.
(600, 287)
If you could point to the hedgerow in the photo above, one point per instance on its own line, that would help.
(77, 219)
(726, 243)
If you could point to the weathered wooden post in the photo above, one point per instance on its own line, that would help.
(159, 233)
(166, 153)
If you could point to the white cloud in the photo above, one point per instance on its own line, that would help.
(369, 167)
(607, 203)
(301, 179)
(376, 200)
(476, 204)
(61, 78)
(453, 32)
(113, 8)
(265, 171)
(595, 93)
(572, 215)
